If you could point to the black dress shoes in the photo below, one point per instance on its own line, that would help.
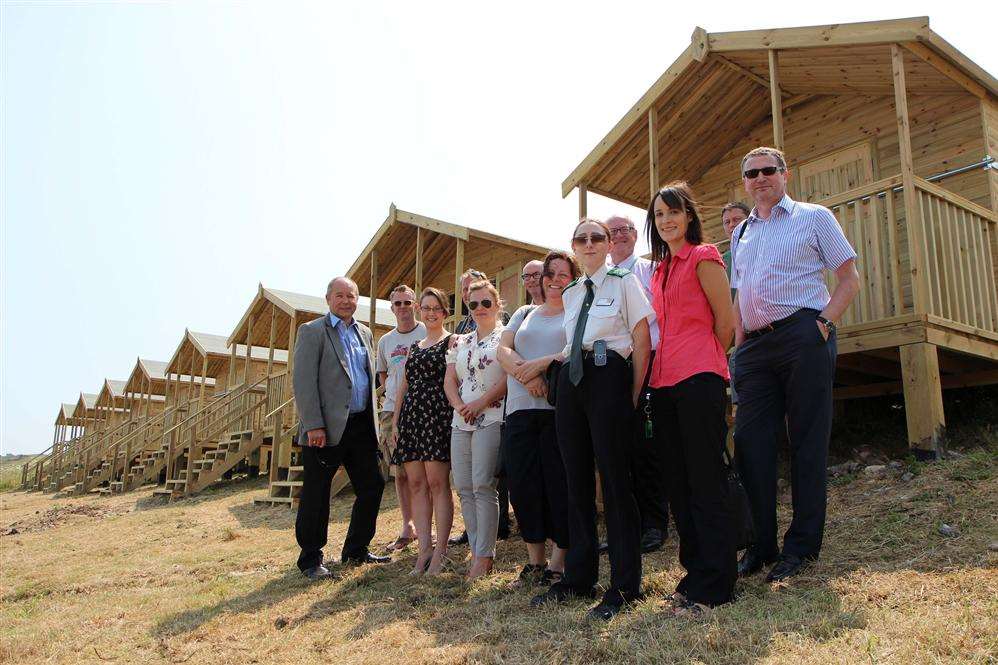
(652, 540)
(458, 540)
(317, 572)
(560, 593)
(786, 566)
(751, 563)
(604, 547)
(367, 558)
(612, 604)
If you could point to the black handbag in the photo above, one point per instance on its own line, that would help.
(738, 505)
(551, 377)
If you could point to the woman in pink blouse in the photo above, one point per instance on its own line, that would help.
(691, 298)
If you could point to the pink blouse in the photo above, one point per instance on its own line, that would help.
(687, 344)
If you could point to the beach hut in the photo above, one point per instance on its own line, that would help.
(890, 127)
(50, 463)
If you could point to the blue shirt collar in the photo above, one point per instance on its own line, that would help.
(786, 204)
(333, 320)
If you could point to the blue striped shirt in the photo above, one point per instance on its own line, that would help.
(779, 263)
(353, 345)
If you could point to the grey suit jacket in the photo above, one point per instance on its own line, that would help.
(322, 381)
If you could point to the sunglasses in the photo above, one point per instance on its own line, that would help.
(592, 238)
(485, 302)
(752, 174)
(402, 303)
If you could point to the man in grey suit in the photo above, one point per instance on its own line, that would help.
(334, 391)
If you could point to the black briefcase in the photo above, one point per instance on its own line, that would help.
(551, 376)
(738, 505)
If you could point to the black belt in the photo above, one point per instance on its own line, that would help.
(759, 332)
(610, 353)
(359, 414)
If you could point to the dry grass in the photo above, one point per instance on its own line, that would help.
(211, 579)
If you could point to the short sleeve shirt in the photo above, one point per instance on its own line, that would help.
(535, 336)
(688, 345)
(619, 304)
(642, 269)
(478, 372)
(393, 350)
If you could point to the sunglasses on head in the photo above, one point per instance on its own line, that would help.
(592, 238)
(485, 302)
(752, 174)
(402, 303)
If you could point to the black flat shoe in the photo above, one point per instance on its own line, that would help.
(317, 572)
(459, 540)
(604, 547)
(560, 593)
(367, 558)
(787, 566)
(652, 540)
(751, 563)
(612, 604)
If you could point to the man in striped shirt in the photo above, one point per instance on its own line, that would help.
(786, 347)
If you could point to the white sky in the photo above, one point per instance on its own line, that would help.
(161, 159)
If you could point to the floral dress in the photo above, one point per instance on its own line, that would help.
(478, 371)
(424, 424)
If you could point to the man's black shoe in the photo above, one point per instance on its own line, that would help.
(612, 604)
(367, 558)
(652, 540)
(560, 593)
(459, 540)
(751, 563)
(501, 534)
(317, 572)
(604, 547)
(787, 566)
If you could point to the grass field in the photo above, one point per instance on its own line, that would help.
(128, 579)
(10, 470)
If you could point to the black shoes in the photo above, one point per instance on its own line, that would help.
(458, 540)
(751, 563)
(604, 547)
(786, 566)
(560, 593)
(367, 558)
(652, 540)
(317, 573)
(612, 604)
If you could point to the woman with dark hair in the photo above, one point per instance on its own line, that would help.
(533, 338)
(691, 298)
(422, 429)
(606, 322)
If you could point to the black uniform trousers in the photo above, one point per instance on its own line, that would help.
(786, 374)
(594, 423)
(357, 451)
(648, 473)
(690, 419)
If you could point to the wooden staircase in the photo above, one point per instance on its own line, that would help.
(214, 463)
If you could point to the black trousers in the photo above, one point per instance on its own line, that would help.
(594, 423)
(690, 418)
(358, 453)
(786, 373)
(648, 473)
(536, 476)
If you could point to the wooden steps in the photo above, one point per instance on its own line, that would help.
(284, 492)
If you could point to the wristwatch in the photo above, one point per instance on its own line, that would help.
(829, 325)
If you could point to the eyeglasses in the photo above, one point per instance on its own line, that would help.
(485, 302)
(530, 275)
(621, 231)
(428, 309)
(402, 303)
(592, 238)
(752, 174)
(562, 275)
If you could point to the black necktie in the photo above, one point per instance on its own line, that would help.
(575, 356)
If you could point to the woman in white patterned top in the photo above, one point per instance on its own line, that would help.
(476, 386)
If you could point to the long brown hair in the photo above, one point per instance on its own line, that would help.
(676, 196)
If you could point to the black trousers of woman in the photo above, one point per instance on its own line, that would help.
(593, 423)
(690, 424)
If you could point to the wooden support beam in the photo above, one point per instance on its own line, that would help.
(583, 200)
(204, 380)
(249, 350)
(653, 178)
(230, 379)
(923, 397)
(774, 98)
(944, 67)
(744, 71)
(270, 343)
(418, 285)
(822, 36)
(458, 269)
(373, 295)
(913, 216)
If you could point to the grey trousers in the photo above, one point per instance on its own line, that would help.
(474, 459)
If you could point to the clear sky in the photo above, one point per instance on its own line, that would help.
(161, 159)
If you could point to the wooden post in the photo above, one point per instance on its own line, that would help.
(775, 99)
(127, 467)
(190, 393)
(912, 215)
(923, 399)
(653, 180)
(373, 293)
(583, 200)
(273, 335)
(419, 264)
(249, 350)
(204, 380)
(24, 476)
(283, 453)
(458, 269)
(230, 380)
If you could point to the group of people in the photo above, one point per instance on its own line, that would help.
(617, 374)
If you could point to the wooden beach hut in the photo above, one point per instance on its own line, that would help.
(50, 463)
(885, 123)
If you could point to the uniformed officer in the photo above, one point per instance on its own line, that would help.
(606, 313)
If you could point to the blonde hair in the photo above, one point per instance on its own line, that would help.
(441, 298)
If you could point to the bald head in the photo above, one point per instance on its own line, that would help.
(341, 296)
(531, 275)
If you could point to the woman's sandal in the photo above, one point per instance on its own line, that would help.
(532, 574)
(400, 544)
(690, 610)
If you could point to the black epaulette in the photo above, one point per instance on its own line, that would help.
(618, 272)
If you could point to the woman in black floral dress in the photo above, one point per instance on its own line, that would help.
(423, 431)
